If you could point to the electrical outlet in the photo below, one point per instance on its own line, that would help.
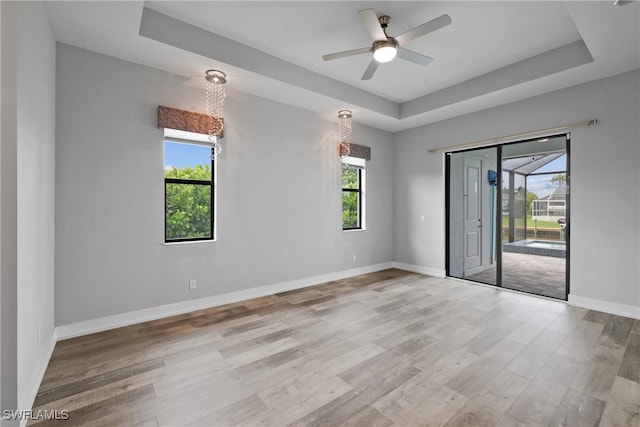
(355, 258)
(39, 336)
(421, 218)
(192, 284)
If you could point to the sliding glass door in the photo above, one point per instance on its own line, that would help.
(508, 215)
(471, 214)
(535, 216)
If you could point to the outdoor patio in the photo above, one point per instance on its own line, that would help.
(542, 275)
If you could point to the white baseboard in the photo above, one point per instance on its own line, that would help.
(420, 269)
(131, 318)
(29, 396)
(605, 306)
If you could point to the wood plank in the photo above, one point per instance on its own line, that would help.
(530, 329)
(578, 409)
(535, 355)
(582, 339)
(342, 408)
(425, 394)
(369, 417)
(630, 365)
(187, 404)
(488, 405)
(623, 407)
(130, 407)
(492, 336)
(616, 331)
(537, 404)
(297, 403)
(438, 405)
(597, 373)
(565, 323)
(559, 370)
(96, 381)
(475, 377)
(232, 414)
(388, 348)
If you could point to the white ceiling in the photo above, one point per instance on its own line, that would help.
(493, 52)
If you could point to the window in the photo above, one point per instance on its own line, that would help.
(188, 188)
(353, 194)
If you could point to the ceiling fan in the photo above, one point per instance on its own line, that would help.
(384, 47)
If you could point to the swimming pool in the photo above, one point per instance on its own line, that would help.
(537, 247)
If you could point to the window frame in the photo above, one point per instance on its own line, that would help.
(183, 137)
(358, 164)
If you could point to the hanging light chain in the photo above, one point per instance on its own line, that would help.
(216, 95)
(344, 130)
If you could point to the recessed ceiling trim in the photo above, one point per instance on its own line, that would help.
(165, 29)
(553, 61)
(487, 36)
(179, 34)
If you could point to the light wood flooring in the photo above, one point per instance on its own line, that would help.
(384, 349)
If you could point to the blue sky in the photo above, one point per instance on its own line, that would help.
(181, 155)
(539, 184)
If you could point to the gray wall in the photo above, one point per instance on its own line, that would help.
(8, 208)
(605, 164)
(279, 202)
(36, 191)
(28, 155)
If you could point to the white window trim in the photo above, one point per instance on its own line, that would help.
(183, 136)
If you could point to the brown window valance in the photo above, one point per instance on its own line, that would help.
(358, 151)
(173, 118)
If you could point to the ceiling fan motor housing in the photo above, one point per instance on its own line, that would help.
(384, 21)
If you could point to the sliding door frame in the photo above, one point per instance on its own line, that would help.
(447, 197)
(498, 207)
(447, 213)
(498, 219)
(567, 230)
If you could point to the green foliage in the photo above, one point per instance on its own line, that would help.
(530, 198)
(188, 205)
(350, 209)
(200, 173)
(560, 179)
(350, 177)
(519, 222)
(350, 199)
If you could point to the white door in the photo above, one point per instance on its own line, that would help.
(472, 216)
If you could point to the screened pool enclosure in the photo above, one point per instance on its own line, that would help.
(533, 205)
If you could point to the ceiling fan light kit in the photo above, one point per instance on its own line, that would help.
(385, 51)
(385, 48)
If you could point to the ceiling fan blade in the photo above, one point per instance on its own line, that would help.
(371, 69)
(370, 21)
(421, 30)
(415, 57)
(346, 53)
